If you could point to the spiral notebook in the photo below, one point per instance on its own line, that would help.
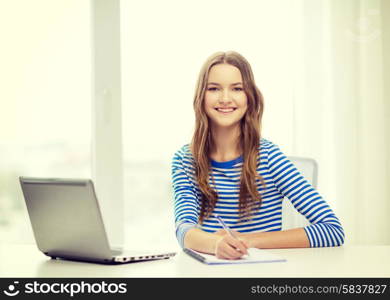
(255, 256)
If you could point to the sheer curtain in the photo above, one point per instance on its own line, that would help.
(341, 110)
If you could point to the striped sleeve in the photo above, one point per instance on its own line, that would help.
(185, 200)
(325, 229)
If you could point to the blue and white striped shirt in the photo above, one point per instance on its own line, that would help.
(282, 179)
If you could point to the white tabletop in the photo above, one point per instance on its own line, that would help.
(345, 261)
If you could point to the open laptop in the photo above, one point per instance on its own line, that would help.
(67, 222)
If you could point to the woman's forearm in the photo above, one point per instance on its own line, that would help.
(292, 238)
(201, 241)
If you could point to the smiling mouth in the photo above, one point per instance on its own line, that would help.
(225, 110)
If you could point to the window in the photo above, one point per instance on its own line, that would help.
(45, 101)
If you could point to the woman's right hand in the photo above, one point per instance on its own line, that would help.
(228, 247)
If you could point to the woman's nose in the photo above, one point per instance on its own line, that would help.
(225, 97)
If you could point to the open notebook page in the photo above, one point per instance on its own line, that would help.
(255, 256)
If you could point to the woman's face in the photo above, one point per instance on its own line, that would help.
(225, 99)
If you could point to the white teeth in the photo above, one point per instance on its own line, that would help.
(225, 109)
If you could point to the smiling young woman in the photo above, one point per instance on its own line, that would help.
(231, 171)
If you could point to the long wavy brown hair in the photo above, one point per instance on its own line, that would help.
(249, 137)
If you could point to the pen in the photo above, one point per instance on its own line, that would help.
(223, 224)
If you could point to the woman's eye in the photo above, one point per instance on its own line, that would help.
(236, 89)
